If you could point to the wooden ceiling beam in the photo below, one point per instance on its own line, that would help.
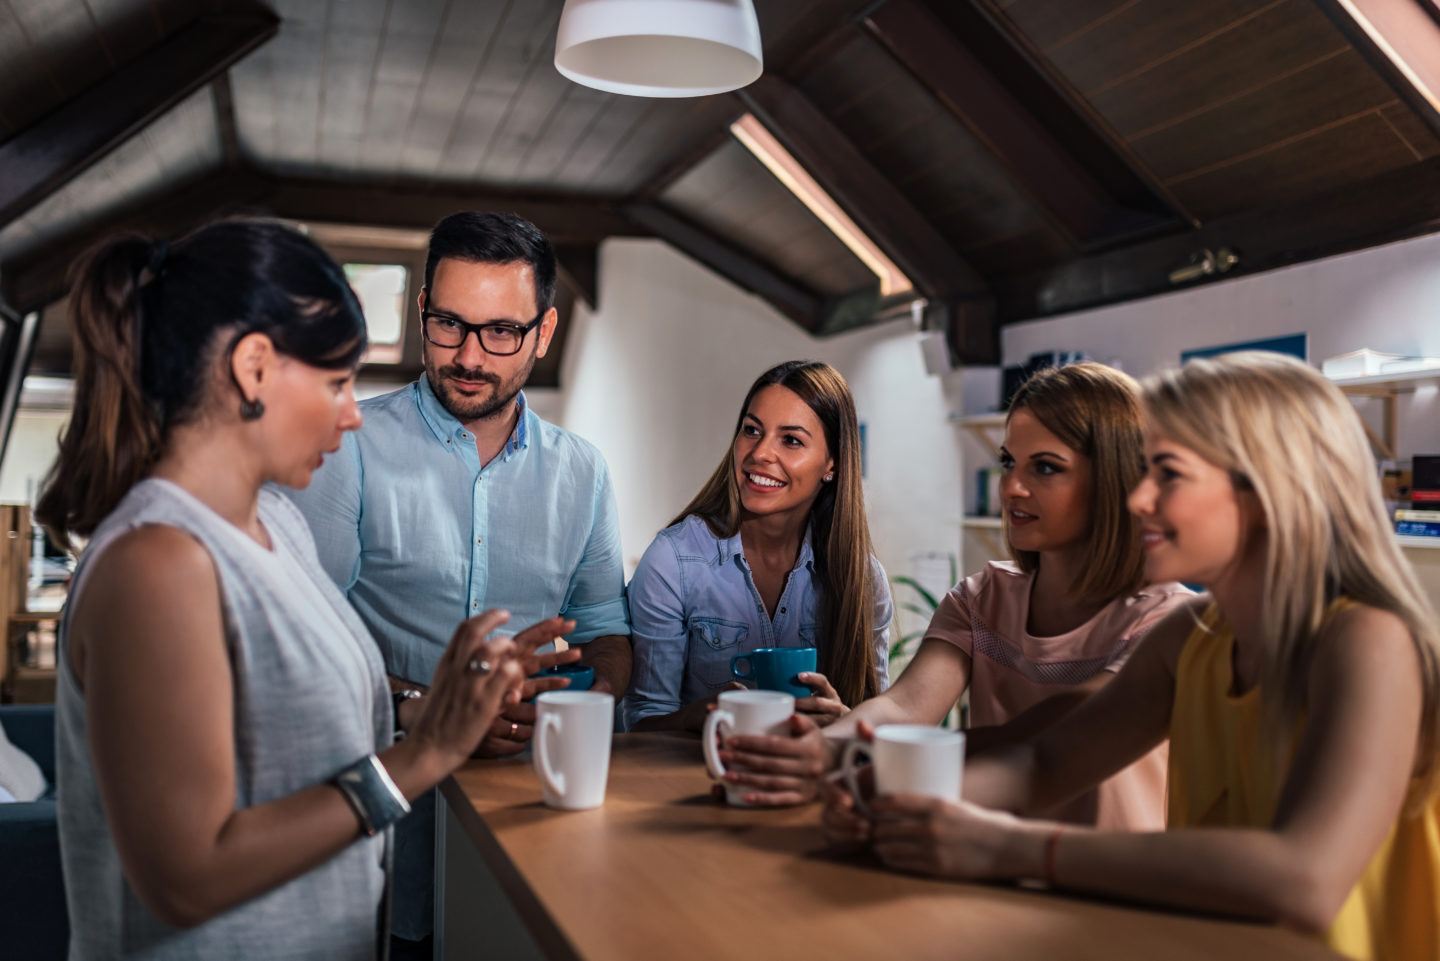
(1037, 163)
(224, 101)
(785, 294)
(862, 191)
(37, 277)
(565, 220)
(55, 149)
(579, 268)
(1386, 30)
(1395, 206)
(972, 331)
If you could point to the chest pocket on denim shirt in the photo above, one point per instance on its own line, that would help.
(712, 643)
(807, 634)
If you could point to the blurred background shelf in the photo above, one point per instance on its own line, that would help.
(27, 659)
(1385, 388)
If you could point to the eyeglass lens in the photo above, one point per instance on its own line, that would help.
(495, 338)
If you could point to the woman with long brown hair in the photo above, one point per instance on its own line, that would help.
(227, 776)
(773, 552)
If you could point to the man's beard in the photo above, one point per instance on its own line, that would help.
(469, 409)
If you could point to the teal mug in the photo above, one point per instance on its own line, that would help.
(580, 676)
(774, 668)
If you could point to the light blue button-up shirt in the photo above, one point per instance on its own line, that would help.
(694, 605)
(419, 537)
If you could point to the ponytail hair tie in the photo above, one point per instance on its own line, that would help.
(158, 252)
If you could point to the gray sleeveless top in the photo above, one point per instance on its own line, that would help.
(310, 699)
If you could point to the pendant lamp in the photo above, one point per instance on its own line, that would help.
(659, 48)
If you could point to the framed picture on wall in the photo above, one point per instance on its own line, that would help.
(1296, 345)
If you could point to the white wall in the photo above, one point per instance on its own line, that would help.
(656, 375)
(1386, 298)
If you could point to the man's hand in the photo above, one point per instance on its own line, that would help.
(512, 730)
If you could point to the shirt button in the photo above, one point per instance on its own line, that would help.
(474, 605)
(479, 540)
(782, 610)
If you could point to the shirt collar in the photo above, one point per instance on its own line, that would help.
(446, 427)
(731, 547)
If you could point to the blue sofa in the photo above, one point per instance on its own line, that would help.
(33, 920)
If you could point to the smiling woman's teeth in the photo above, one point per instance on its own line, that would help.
(763, 481)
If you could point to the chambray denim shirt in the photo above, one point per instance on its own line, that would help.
(419, 537)
(694, 605)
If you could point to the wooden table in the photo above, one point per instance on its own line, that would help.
(663, 871)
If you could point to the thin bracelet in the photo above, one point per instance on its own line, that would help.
(1052, 845)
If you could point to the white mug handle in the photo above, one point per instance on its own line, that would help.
(554, 780)
(710, 741)
(848, 769)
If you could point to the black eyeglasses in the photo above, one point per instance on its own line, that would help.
(501, 338)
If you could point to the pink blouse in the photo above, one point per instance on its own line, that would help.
(1012, 670)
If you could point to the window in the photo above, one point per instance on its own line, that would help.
(381, 289)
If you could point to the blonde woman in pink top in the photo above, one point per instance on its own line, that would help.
(1033, 637)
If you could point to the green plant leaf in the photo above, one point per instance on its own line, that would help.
(915, 585)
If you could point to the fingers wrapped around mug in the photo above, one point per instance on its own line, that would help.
(823, 704)
(779, 770)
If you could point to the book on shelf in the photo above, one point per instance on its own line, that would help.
(1403, 514)
(1418, 528)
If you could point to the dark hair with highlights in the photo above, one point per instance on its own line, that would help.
(840, 535)
(151, 320)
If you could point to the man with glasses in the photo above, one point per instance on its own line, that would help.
(454, 497)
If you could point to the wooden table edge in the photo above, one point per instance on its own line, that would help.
(528, 908)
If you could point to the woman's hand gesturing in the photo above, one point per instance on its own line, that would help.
(477, 675)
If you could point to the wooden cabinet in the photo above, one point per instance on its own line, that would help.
(27, 663)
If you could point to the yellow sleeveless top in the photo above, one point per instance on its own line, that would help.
(1222, 775)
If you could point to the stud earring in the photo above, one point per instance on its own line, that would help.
(251, 409)
(829, 477)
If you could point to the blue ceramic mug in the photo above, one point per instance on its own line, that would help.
(580, 676)
(774, 668)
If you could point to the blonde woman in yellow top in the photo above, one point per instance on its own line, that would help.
(1301, 695)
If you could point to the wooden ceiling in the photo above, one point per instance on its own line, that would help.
(1017, 158)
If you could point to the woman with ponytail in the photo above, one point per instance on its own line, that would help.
(227, 775)
(773, 552)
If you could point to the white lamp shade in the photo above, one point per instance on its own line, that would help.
(659, 48)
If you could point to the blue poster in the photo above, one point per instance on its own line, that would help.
(1292, 344)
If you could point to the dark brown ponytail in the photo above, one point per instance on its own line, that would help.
(152, 320)
(113, 437)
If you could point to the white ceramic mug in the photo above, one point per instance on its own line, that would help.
(909, 759)
(743, 712)
(572, 747)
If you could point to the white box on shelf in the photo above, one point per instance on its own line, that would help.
(1358, 363)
